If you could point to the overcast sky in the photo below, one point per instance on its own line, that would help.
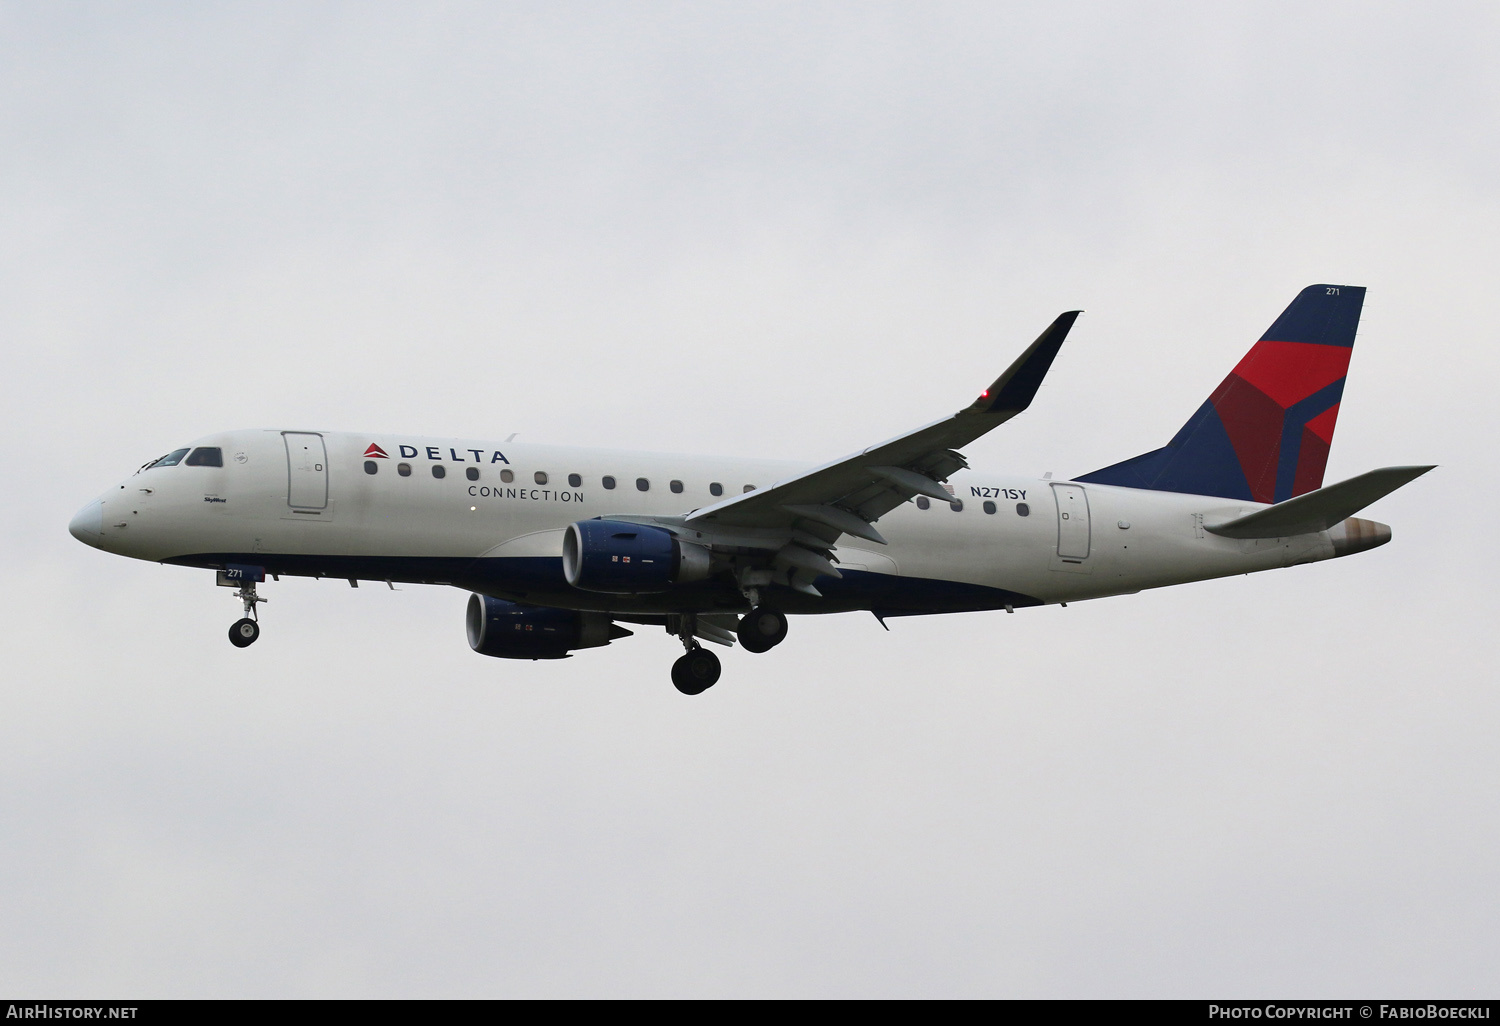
(782, 230)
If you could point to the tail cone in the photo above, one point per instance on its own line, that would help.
(1356, 535)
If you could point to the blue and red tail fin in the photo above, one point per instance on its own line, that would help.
(1264, 434)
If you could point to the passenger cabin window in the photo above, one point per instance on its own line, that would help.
(1023, 510)
(404, 469)
(206, 456)
(715, 489)
(749, 488)
(439, 471)
(171, 459)
(957, 505)
(676, 487)
(371, 467)
(608, 482)
(642, 485)
(989, 507)
(472, 473)
(540, 477)
(923, 502)
(575, 480)
(507, 476)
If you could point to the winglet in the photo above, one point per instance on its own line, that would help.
(1013, 391)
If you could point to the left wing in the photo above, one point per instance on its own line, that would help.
(848, 495)
(785, 534)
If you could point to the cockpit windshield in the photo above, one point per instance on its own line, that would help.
(206, 456)
(171, 459)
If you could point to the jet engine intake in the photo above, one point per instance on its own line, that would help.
(620, 558)
(508, 630)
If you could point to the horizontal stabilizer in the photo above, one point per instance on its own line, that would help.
(1321, 509)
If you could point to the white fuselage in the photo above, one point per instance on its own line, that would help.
(494, 522)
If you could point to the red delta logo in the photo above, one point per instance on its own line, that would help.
(434, 453)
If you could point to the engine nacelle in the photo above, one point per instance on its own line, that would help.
(508, 630)
(620, 558)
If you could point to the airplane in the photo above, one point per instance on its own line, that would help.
(560, 546)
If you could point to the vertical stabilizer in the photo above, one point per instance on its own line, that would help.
(1264, 433)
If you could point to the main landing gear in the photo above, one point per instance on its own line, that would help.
(762, 629)
(698, 669)
(696, 672)
(246, 630)
(759, 630)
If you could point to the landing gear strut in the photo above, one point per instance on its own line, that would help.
(698, 669)
(762, 629)
(246, 630)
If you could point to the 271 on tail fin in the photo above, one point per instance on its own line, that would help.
(1264, 433)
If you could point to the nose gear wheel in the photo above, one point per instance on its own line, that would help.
(243, 633)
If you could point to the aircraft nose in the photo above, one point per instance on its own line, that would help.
(88, 524)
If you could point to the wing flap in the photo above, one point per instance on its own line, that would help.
(910, 480)
(834, 516)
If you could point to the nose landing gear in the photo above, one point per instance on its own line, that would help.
(246, 630)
